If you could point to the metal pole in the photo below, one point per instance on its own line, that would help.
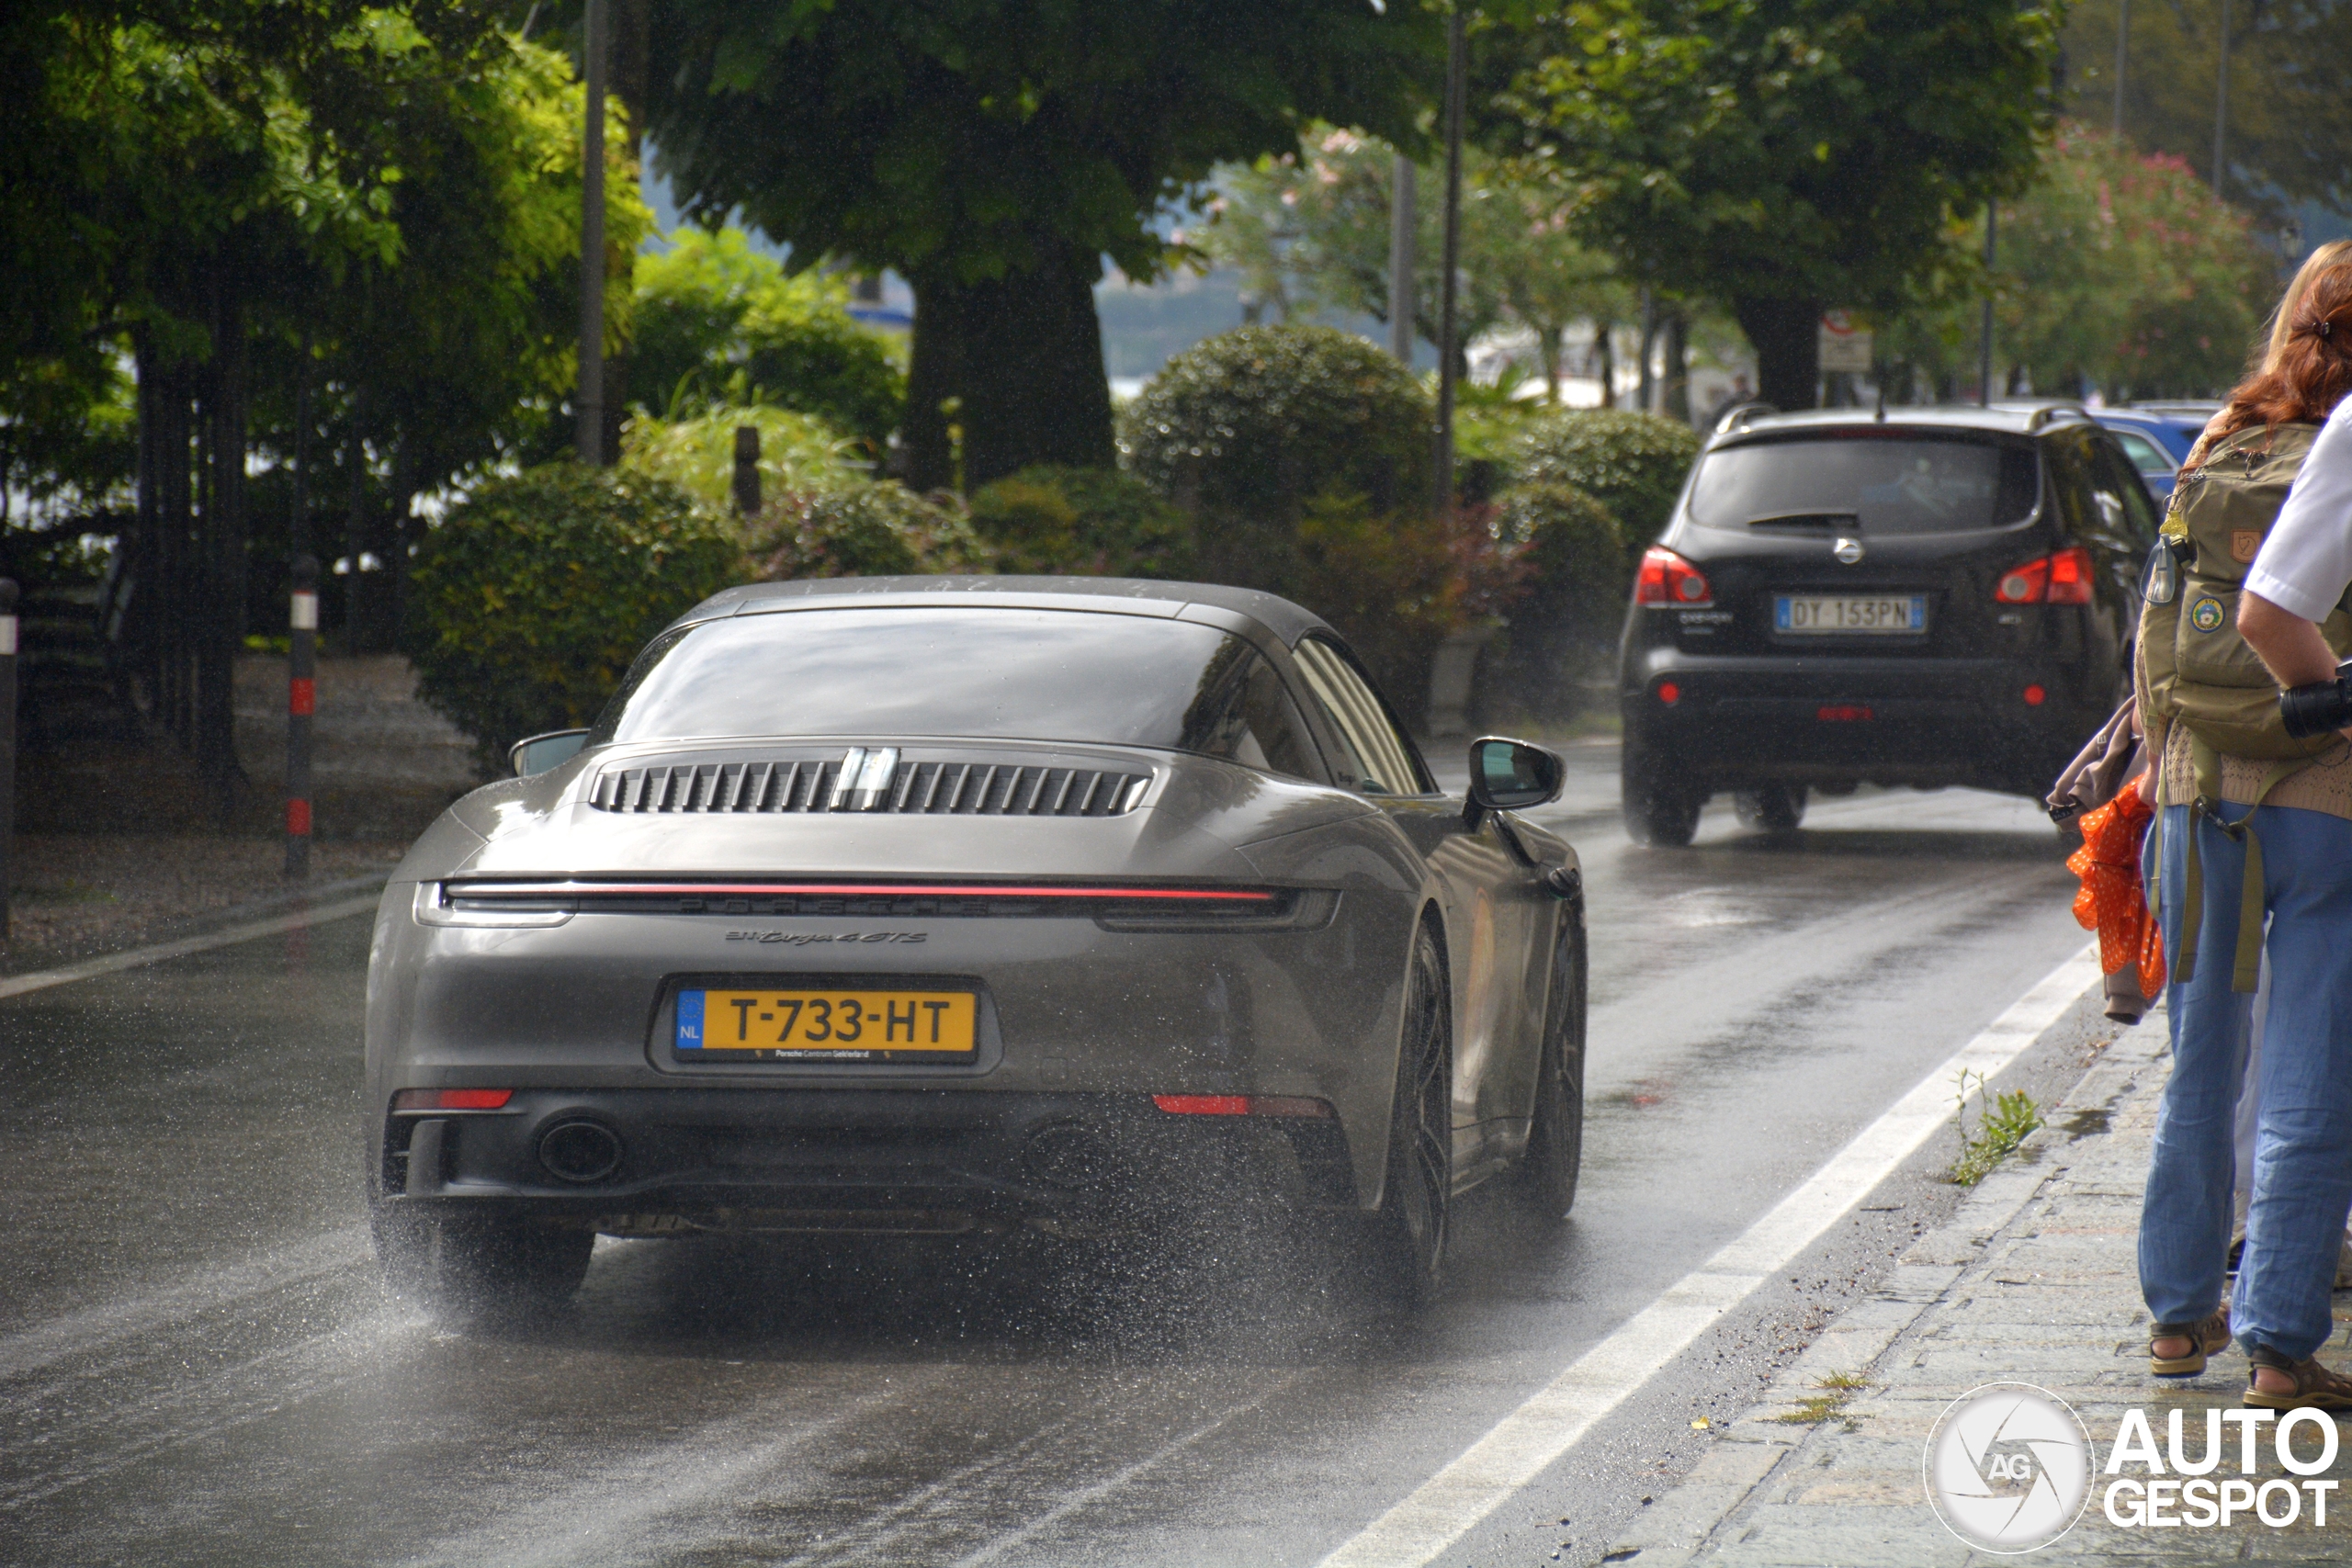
(1456, 47)
(301, 703)
(1985, 345)
(2222, 106)
(7, 739)
(2123, 57)
(1402, 293)
(591, 398)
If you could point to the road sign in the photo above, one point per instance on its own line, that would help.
(1844, 345)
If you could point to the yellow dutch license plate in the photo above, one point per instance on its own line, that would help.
(826, 1025)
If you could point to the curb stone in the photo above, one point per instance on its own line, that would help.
(1759, 1457)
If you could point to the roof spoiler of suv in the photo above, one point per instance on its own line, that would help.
(1737, 416)
(2044, 415)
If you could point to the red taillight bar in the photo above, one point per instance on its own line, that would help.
(1242, 1105)
(452, 1099)
(840, 890)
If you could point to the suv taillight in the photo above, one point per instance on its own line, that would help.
(1668, 582)
(2061, 579)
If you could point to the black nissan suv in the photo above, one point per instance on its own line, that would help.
(1924, 597)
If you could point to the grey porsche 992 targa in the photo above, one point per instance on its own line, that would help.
(942, 906)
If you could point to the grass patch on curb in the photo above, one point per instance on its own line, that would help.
(2003, 1122)
(1838, 1391)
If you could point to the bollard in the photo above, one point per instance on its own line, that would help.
(301, 701)
(7, 739)
(747, 471)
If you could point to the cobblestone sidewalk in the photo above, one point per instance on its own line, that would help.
(2034, 1282)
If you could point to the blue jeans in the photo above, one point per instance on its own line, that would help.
(2302, 1162)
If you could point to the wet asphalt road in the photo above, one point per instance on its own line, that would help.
(197, 1365)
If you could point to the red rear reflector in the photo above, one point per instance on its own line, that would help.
(1242, 1105)
(845, 890)
(2034, 697)
(1668, 693)
(1842, 714)
(1202, 1104)
(1666, 580)
(452, 1099)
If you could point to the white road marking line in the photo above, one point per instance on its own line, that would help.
(1527, 1441)
(227, 936)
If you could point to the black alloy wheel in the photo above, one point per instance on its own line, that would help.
(1770, 809)
(1416, 1206)
(464, 1266)
(1556, 1132)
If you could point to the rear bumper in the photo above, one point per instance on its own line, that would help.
(888, 1161)
(1889, 721)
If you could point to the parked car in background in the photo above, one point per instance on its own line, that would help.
(2156, 437)
(1929, 597)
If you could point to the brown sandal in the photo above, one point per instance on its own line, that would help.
(2316, 1387)
(2204, 1338)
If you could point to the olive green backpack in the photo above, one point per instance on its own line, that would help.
(2196, 671)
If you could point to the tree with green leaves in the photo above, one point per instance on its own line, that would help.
(993, 152)
(1783, 155)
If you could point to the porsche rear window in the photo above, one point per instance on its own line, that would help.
(1880, 485)
(983, 672)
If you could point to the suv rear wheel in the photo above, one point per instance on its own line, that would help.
(1770, 809)
(1660, 814)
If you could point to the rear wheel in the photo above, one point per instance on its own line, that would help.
(1410, 1229)
(1770, 809)
(1556, 1132)
(1659, 815)
(466, 1265)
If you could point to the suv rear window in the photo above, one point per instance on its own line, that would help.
(1891, 484)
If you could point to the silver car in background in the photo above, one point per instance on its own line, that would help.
(944, 906)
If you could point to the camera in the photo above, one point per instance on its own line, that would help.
(2321, 706)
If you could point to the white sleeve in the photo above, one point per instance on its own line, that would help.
(2306, 563)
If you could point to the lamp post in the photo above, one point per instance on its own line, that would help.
(1456, 49)
(589, 404)
(1402, 295)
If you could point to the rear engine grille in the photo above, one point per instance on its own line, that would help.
(961, 789)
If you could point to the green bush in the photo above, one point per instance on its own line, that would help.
(1082, 522)
(1570, 602)
(717, 322)
(1240, 430)
(869, 529)
(528, 600)
(798, 452)
(1388, 582)
(1633, 464)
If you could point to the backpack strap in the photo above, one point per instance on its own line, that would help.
(2246, 969)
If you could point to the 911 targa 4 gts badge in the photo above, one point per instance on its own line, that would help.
(805, 939)
(2206, 614)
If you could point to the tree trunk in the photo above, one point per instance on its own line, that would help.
(1022, 358)
(1678, 365)
(925, 458)
(1785, 334)
(221, 610)
(1604, 356)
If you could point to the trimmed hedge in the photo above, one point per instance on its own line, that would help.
(1241, 429)
(1083, 522)
(870, 529)
(1634, 464)
(1571, 601)
(529, 600)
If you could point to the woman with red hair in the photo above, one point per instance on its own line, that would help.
(2222, 812)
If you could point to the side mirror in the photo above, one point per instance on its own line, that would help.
(538, 753)
(1511, 775)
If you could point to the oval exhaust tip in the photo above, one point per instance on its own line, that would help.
(580, 1151)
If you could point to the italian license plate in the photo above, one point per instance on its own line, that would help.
(826, 1025)
(1844, 614)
